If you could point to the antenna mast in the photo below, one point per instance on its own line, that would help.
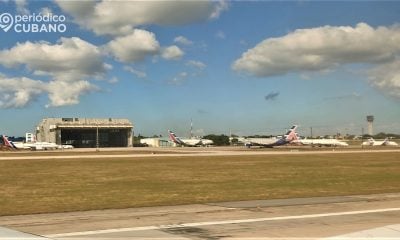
(191, 128)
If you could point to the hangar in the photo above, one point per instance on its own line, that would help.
(86, 132)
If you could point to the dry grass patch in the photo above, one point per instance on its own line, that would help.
(57, 185)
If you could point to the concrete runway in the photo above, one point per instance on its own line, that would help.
(177, 152)
(376, 216)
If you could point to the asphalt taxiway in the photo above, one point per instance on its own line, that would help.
(183, 152)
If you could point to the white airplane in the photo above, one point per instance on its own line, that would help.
(8, 143)
(189, 141)
(323, 142)
(372, 142)
(34, 145)
(272, 142)
(206, 142)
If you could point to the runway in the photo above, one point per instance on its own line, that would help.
(311, 218)
(178, 152)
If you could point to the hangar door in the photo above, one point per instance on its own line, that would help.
(88, 138)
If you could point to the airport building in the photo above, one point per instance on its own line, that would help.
(86, 132)
(157, 142)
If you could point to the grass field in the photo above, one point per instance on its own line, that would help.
(51, 185)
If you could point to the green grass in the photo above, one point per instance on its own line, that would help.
(54, 185)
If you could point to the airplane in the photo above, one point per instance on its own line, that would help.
(322, 142)
(190, 142)
(372, 142)
(33, 145)
(272, 142)
(206, 142)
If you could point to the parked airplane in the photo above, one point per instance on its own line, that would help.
(372, 142)
(189, 141)
(33, 145)
(323, 142)
(272, 142)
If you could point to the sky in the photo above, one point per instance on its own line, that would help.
(230, 67)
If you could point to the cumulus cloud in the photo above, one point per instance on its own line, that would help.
(325, 48)
(63, 93)
(134, 47)
(172, 53)
(386, 77)
(320, 48)
(183, 41)
(68, 63)
(67, 60)
(120, 18)
(19, 92)
(138, 73)
(196, 64)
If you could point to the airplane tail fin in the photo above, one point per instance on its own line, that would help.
(173, 137)
(385, 141)
(291, 135)
(8, 143)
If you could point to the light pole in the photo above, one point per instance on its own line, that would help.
(97, 138)
(362, 137)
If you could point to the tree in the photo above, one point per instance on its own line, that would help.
(234, 141)
(219, 140)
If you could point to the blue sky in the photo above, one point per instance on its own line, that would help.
(240, 67)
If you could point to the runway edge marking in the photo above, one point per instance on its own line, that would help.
(197, 224)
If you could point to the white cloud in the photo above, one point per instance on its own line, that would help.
(63, 93)
(67, 60)
(134, 47)
(21, 6)
(197, 64)
(320, 49)
(220, 6)
(19, 92)
(220, 34)
(179, 79)
(68, 63)
(182, 40)
(120, 18)
(138, 73)
(113, 80)
(172, 53)
(46, 11)
(386, 77)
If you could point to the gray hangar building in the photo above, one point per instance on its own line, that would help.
(86, 132)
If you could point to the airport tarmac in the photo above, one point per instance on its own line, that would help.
(177, 152)
(362, 216)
